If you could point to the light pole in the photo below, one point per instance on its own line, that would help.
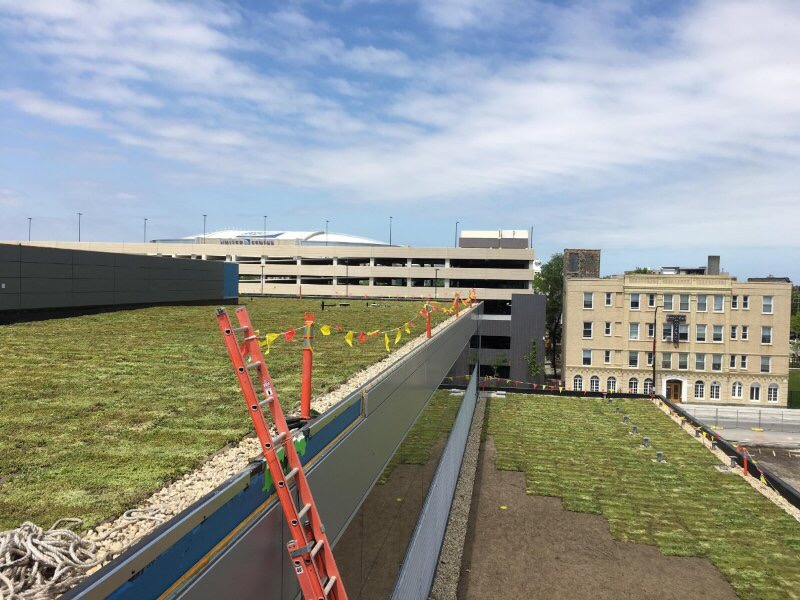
(144, 235)
(326, 232)
(204, 228)
(455, 240)
(265, 229)
(435, 282)
(347, 278)
(390, 231)
(79, 226)
(655, 337)
(29, 228)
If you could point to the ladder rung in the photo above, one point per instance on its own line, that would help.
(317, 547)
(290, 475)
(265, 401)
(303, 512)
(253, 365)
(329, 585)
(250, 338)
(241, 329)
(278, 438)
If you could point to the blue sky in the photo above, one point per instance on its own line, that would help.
(659, 132)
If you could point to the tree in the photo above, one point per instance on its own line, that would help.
(550, 282)
(641, 271)
(534, 366)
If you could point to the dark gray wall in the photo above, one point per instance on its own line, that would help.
(493, 242)
(37, 278)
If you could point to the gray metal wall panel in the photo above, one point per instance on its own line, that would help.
(40, 285)
(9, 301)
(10, 268)
(11, 285)
(527, 323)
(341, 480)
(46, 270)
(35, 254)
(10, 252)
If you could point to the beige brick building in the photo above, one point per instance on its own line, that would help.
(717, 340)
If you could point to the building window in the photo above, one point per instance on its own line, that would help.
(716, 362)
(699, 389)
(577, 383)
(772, 393)
(733, 332)
(611, 384)
(699, 362)
(684, 299)
(736, 391)
(766, 305)
(701, 333)
(755, 392)
(766, 335)
(717, 333)
(649, 359)
(609, 298)
(713, 391)
(633, 359)
(732, 363)
(633, 385)
(587, 300)
(651, 300)
(683, 332)
(587, 358)
(608, 327)
(667, 301)
(719, 303)
(734, 302)
(765, 360)
(607, 357)
(633, 331)
(745, 332)
(648, 386)
(743, 362)
(594, 383)
(745, 302)
(666, 360)
(634, 301)
(587, 330)
(651, 330)
(702, 303)
(683, 361)
(666, 332)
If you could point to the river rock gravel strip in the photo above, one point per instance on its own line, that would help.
(114, 537)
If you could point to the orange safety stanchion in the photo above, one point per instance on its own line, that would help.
(428, 322)
(456, 301)
(308, 360)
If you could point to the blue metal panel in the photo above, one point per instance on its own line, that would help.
(231, 280)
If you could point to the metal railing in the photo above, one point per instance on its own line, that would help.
(734, 417)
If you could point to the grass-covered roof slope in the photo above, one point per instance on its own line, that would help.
(97, 412)
(579, 449)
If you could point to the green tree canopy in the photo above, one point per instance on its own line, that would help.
(550, 282)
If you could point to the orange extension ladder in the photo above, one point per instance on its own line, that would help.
(309, 549)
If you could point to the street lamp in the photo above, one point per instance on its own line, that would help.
(435, 282)
(265, 229)
(144, 235)
(79, 226)
(204, 228)
(655, 337)
(455, 240)
(29, 228)
(390, 231)
(326, 232)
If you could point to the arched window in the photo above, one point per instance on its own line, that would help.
(611, 384)
(577, 383)
(699, 389)
(594, 383)
(633, 385)
(772, 392)
(713, 391)
(648, 386)
(736, 392)
(755, 392)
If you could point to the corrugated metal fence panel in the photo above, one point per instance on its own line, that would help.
(422, 555)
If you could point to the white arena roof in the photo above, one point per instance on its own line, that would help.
(306, 238)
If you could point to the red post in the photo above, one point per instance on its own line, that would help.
(457, 301)
(428, 322)
(744, 455)
(308, 359)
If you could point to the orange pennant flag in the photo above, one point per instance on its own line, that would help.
(362, 337)
(289, 335)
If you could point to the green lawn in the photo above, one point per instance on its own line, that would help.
(578, 449)
(97, 412)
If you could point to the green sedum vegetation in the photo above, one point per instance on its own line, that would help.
(99, 411)
(579, 450)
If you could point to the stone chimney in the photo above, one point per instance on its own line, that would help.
(713, 265)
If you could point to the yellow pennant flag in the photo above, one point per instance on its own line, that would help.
(271, 337)
(325, 330)
(386, 341)
(398, 336)
(376, 332)
(763, 480)
(408, 331)
(348, 338)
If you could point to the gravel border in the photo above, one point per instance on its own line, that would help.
(114, 537)
(445, 582)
